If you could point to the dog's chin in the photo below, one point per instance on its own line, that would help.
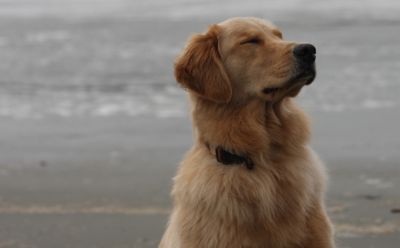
(289, 88)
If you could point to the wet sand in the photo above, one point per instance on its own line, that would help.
(102, 182)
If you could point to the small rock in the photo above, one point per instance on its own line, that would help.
(371, 197)
(395, 210)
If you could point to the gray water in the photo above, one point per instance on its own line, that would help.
(101, 58)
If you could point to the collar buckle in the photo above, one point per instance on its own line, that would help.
(228, 158)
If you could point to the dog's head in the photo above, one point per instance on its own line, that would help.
(243, 58)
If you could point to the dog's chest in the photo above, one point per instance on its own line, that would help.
(243, 207)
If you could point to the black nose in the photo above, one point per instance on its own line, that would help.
(305, 53)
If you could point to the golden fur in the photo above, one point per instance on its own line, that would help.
(278, 204)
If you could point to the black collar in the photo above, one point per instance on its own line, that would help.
(229, 158)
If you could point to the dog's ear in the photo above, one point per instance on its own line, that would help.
(200, 68)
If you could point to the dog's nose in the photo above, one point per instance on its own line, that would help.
(305, 53)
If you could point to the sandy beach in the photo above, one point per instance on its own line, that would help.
(93, 126)
(104, 182)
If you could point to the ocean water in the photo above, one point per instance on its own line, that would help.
(102, 58)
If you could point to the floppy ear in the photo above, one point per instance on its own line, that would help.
(200, 69)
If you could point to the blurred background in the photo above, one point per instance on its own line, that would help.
(93, 125)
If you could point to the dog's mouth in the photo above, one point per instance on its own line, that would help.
(292, 86)
(270, 90)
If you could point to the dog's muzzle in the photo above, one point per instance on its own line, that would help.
(305, 54)
(305, 57)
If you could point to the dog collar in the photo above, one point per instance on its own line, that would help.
(228, 158)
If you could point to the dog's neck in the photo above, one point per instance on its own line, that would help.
(254, 128)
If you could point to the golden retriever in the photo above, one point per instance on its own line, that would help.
(250, 179)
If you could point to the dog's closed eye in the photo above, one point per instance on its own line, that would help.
(277, 33)
(253, 40)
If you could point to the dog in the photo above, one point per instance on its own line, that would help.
(250, 179)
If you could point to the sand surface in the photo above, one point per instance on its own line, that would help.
(101, 182)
